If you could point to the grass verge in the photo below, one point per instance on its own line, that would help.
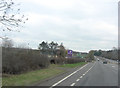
(73, 65)
(35, 76)
(30, 77)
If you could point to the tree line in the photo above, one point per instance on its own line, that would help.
(53, 49)
(110, 54)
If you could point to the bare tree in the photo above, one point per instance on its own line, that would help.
(7, 43)
(62, 51)
(23, 46)
(91, 55)
(9, 18)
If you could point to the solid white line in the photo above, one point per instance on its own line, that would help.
(68, 76)
(77, 80)
(72, 84)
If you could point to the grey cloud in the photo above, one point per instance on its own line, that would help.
(71, 25)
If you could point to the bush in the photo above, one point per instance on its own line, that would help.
(74, 60)
(67, 60)
(16, 61)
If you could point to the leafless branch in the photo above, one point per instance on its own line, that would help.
(8, 20)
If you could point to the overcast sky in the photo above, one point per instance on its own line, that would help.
(81, 25)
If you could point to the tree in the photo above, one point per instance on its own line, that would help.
(23, 46)
(7, 43)
(61, 52)
(53, 47)
(9, 18)
(110, 54)
(91, 55)
(97, 53)
(43, 47)
(114, 53)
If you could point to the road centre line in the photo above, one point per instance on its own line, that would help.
(77, 80)
(68, 76)
(81, 76)
(89, 69)
(72, 84)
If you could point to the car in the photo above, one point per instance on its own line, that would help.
(118, 61)
(104, 62)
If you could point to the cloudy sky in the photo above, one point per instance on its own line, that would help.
(81, 25)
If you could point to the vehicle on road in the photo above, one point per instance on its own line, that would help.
(105, 62)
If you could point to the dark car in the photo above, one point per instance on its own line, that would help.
(104, 62)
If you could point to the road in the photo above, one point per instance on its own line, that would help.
(92, 74)
(112, 61)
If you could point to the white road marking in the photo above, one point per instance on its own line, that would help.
(68, 76)
(113, 67)
(72, 84)
(84, 74)
(88, 70)
(77, 80)
(81, 76)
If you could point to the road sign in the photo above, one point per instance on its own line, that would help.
(70, 52)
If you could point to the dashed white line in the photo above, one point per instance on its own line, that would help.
(68, 76)
(81, 76)
(88, 70)
(72, 84)
(77, 80)
(85, 73)
(113, 66)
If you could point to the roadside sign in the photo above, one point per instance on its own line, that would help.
(70, 52)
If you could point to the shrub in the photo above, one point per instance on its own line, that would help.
(15, 61)
(74, 60)
(67, 60)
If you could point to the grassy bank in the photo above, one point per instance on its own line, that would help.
(73, 65)
(35, 76)
(30, 77)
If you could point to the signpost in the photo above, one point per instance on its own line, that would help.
(70, 52)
